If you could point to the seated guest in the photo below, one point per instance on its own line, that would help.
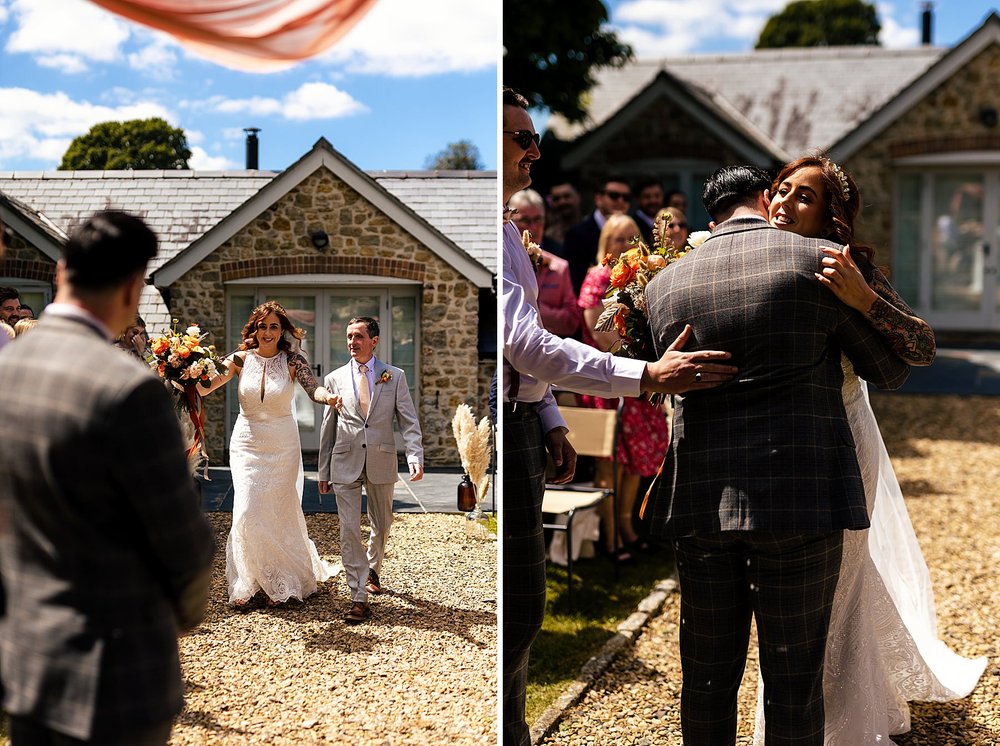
(27, 312)
(133, 339)
(557, 305)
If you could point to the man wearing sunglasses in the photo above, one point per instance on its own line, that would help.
(612, 195)
(532, 425)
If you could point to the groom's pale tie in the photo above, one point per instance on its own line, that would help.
(364, 391)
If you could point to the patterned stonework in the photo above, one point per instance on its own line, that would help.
(363, 241)
(23, 261)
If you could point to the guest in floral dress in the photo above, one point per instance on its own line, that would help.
(642, 442)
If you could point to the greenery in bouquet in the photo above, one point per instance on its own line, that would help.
(625, 309)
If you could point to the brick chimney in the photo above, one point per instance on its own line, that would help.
(926, 24)
(252, 144)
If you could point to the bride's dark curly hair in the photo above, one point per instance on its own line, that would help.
(843, 202)
(259, 314)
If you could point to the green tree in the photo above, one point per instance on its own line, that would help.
(552, 48)
(821, 23)
(457, 156)
(139, 144)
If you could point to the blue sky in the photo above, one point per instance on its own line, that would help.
(406, 81)
(667, 28)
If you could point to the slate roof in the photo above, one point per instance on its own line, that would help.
(181, 206)
(799, 98)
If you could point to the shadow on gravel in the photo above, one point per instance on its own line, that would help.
(919, 488)
(946, 723)
(206, 721)
(904, 419)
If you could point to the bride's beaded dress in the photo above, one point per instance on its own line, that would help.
(883, 649)
(268, 547)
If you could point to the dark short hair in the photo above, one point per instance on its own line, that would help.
(732, 186)
(8, 293)
(601, 184)
(513, 98)
(370, 324)
(646, 183)
(107, 249)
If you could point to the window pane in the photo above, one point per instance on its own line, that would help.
(240, 307)
(342, 309)
(957, 246)
(906, 258)
(404, 337)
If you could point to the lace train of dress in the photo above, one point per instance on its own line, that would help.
(268, 547)
(883, 650)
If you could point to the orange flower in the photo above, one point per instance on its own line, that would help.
(161, 368)
(160, 345)
(622, 273)
(620, 324)
(183, 351)
(655, 262)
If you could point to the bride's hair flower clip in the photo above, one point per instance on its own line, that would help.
(845, 189)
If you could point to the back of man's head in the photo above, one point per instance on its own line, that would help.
(731, 187)
(107, 250)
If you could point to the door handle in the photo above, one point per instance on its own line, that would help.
(319, 369)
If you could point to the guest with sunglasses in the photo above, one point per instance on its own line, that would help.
(611, 197)
(533, 360)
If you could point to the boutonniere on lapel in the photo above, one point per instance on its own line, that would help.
(384, 378)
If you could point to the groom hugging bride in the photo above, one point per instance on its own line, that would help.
(767, 505)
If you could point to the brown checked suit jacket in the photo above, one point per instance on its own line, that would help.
(771, 450)
(104, 551)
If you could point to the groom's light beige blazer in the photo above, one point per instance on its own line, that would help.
(349, 444)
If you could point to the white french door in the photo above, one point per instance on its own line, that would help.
(323, 313)
(946, 246)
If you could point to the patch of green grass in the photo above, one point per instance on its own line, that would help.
(569, 638)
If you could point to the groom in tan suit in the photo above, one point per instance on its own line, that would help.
(357, 448)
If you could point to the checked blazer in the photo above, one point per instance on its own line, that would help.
(104, 551)
(772, 449)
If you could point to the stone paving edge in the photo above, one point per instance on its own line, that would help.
(624, 637)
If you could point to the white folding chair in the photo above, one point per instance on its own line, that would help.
(592, 432)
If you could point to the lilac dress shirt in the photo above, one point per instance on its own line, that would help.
(543, 358)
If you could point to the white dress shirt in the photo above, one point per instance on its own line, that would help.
(543, 358)
(71, 311)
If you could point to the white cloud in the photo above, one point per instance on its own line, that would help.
(67, 63)
(403, 38)
(40, 126)
(233, 133)
(66, 27)
(893, 35)
(202, 161)
(157, 59)
(309, 101)
(4, 13)
(194, 137)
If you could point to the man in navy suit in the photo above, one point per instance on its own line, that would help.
(611, 196)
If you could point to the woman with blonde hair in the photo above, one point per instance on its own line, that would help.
(642, 441)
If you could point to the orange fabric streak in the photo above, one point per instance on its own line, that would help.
(251, 35)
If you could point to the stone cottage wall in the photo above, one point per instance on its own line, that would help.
(946, 121)
(363, 241)
(23, 261)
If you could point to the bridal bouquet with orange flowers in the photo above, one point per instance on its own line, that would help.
(181, 360)
(625, 309)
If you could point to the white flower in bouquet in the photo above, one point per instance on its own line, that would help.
(193, 331)
(697, 238)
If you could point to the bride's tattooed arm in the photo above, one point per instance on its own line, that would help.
(911, 337)
(304, 375)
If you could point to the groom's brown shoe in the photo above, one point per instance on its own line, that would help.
(373, 585)
(360, 610)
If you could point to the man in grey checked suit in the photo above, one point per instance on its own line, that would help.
(764, 473)
(104, 552)
(357, 448)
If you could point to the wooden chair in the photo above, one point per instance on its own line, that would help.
(592, 432)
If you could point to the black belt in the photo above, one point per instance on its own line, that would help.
(517, 410)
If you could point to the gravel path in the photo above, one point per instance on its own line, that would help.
(422, 671)
(946, 451)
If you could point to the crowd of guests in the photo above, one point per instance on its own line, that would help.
(16, 317)
(572, 284)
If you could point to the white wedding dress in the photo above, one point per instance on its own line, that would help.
(268, 547)
(883, 649)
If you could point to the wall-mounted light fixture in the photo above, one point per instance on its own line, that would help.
(988, 116)
(319, 239)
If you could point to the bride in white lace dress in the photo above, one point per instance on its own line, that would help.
(269, 549)
(883, 649)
